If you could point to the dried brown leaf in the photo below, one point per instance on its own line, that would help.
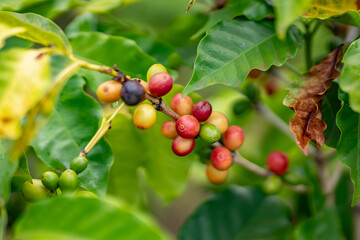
(305, 101)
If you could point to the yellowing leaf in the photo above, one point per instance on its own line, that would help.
(305, 101)
(6, 31)
(23, 80)
(329, 8)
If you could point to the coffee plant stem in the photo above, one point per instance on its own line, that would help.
(104, 127)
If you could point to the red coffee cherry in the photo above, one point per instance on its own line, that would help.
(221, 158)
(277, 162)
(182, 106)
(233, 138)
(219, 120)
(187, 126)
(182, 146)
(202, 110)
(160, 84)
(215, 176)
(168, 129)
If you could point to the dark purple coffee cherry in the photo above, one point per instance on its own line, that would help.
(132, 92)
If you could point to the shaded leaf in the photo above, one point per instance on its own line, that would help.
(83, 218)
(329, 8)
(325, 225)
(148, 152)
(231, 49)
(72, 124)
(23, 81)
(251, 9)
(351, 17)
(7, 168)
(86, 22)
(349, 80)
(238, 213)
(21, 175)
(121, 51)
(286, 12)
(329, 108)
(348, 149)
(37, 29)
(305, 101)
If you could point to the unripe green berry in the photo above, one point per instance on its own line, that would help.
(50, 180)
(209, 133)
(86, 194)
(68, 181)
(154, 69)
(34, 191)
(79, 164)
(272, 185)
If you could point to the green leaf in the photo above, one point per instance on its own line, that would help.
(329, 108)
(37, 29)
(23, 81)
(7, 168)
(251, 9)
(238, 213)
(325, 225)
(100, 6)
(286, 12)
(231, 49)
(21, 175)
(72, 124)
(16, 5)
(146, 150)
(82, 218)
(348, 149)
(350, 17)
(86, 22)
(349, 80)
(123, 52)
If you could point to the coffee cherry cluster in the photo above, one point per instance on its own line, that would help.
(51, 184)
(277, 162)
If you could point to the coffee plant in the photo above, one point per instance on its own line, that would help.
(208, 119)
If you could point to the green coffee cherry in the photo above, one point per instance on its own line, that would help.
(209, 133)
(86, 194)
(78, 164)
(68, 181)
(272, 185)
(154, 69)
(50, 180)
(34, 191)
(292, 178)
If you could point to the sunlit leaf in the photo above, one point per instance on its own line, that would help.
(238, 213)
(287, 11)
(15, 5)
(350, 81)
(329, 8)
(72, 124)
(305, 101)
(123, 52)
(23, 81)
(37, 29)
(348, 149)
(251, 9)
(83, 218)
(231, 49)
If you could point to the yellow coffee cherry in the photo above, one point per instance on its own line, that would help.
(144, 116)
